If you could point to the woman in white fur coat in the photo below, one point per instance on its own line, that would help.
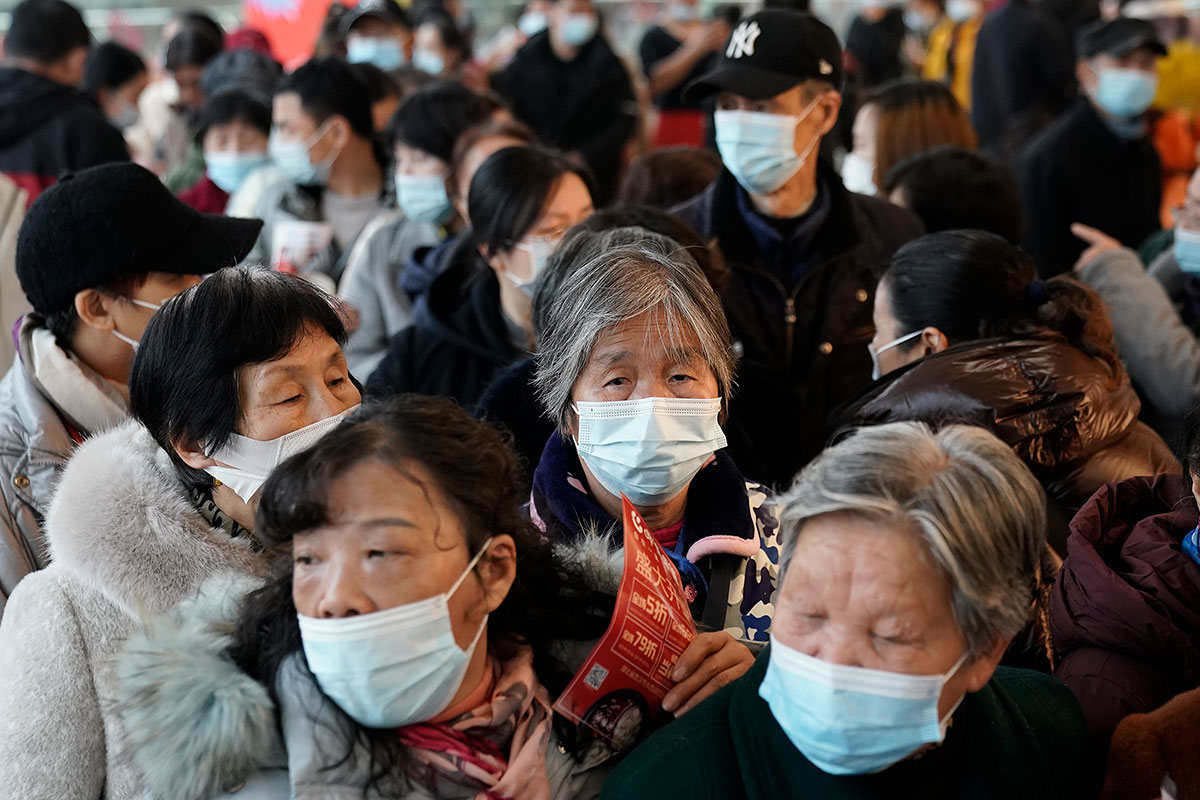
(226, 375)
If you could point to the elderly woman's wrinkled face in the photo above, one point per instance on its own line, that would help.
(864, 593)
(639, 358)
(308, 384)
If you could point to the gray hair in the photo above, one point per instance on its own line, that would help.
(975, 507)
(640, 272)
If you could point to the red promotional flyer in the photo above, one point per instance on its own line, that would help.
(620, 688)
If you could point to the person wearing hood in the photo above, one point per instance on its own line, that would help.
(476, 319)
(423, 133)
(1125, 612)
(115, 79)
(47, 127)
(804, 253)
(964, 332)
(1096, 164)
(570, 87)
(231, 378)
(94, 272)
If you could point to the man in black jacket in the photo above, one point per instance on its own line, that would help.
(1096, 164)
(47, 128)
(805, 254)
(568, 85)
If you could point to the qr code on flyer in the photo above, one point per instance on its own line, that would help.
(595, 676)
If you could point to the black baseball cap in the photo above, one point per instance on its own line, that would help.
(1118, 37)
(769, 53)
(105, 223)
(386, 10)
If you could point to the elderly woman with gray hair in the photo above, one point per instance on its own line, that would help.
(908, 565)
(635, 368)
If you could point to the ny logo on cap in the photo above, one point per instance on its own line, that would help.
(743, 39)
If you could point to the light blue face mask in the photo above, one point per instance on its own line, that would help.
(650, 449)
(1125, 93)
(850, 720)
(1187, 251)
(393, 667)
(293, 160)
(759, 149)
(382, 51)
(428, 62)
(578, 29)
(228, 169)
(422, 198)
(532, 23)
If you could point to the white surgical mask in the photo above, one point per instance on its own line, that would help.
(875, 373)
(532, 23)
(251, 461)
(292, 159)
(962, 10)
(578, 29)
(382, 51)
(393, 667)
(858, 174)
(539, 251)
(428, 61)
(650, 449)
(760, 148)
(851, 720)
(422, 198)
(144, 304)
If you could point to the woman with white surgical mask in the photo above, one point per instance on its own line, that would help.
(477, 321)
(439, 47)
(897, 603)
(635, 370)
(115, 79)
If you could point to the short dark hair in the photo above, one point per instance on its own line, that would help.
(184, 381)
(234, 105)
(380, 85)
(327, 87)
(110, 66)
(46, 31)
(200, 20)
(951, 188)
(433, 117)
(668, 177)
(974, 285)
(510, 190)
(191, 47)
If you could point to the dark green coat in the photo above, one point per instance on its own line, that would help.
(1022, 736)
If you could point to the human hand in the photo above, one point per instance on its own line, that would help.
(1098, 243)
(711, 661)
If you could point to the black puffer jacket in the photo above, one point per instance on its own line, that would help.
(1061, 411)
(803, 345)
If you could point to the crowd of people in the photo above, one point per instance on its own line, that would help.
(331, 384)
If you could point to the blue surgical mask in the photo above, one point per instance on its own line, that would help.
(293, 160)
(1187, 251)
(228, 169)
(382, 51)
(917, 22)
(1125, 93)
(428, 61)
(650, 449)
(875, 373)
(759, 148)
(532, 23)
(851, 720)
(578, 29)
(422, 198)
(393, 667)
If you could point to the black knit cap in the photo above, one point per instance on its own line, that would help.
(769, 53)
(105, 223)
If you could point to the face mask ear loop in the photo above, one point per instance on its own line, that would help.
(458, 583)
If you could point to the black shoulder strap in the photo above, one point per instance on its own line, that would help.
(724, 568)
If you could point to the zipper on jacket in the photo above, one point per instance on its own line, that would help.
(789, 325)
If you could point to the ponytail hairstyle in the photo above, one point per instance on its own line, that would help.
(974, 285)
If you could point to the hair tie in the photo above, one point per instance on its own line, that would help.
(1037, 292)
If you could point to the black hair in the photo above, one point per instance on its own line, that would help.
(184, 381)
(110, 66)
(974, 285)
(331, 41)
(452, 37)
(433, 117)
(193, 46)
(234, 105)
(45, 31)
(510, 190)
(668, 177)
(951, 188)
(1189, 446)
(64, 321)
(436, 444)
(201, 21)
(328, 87)
(380, 85)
